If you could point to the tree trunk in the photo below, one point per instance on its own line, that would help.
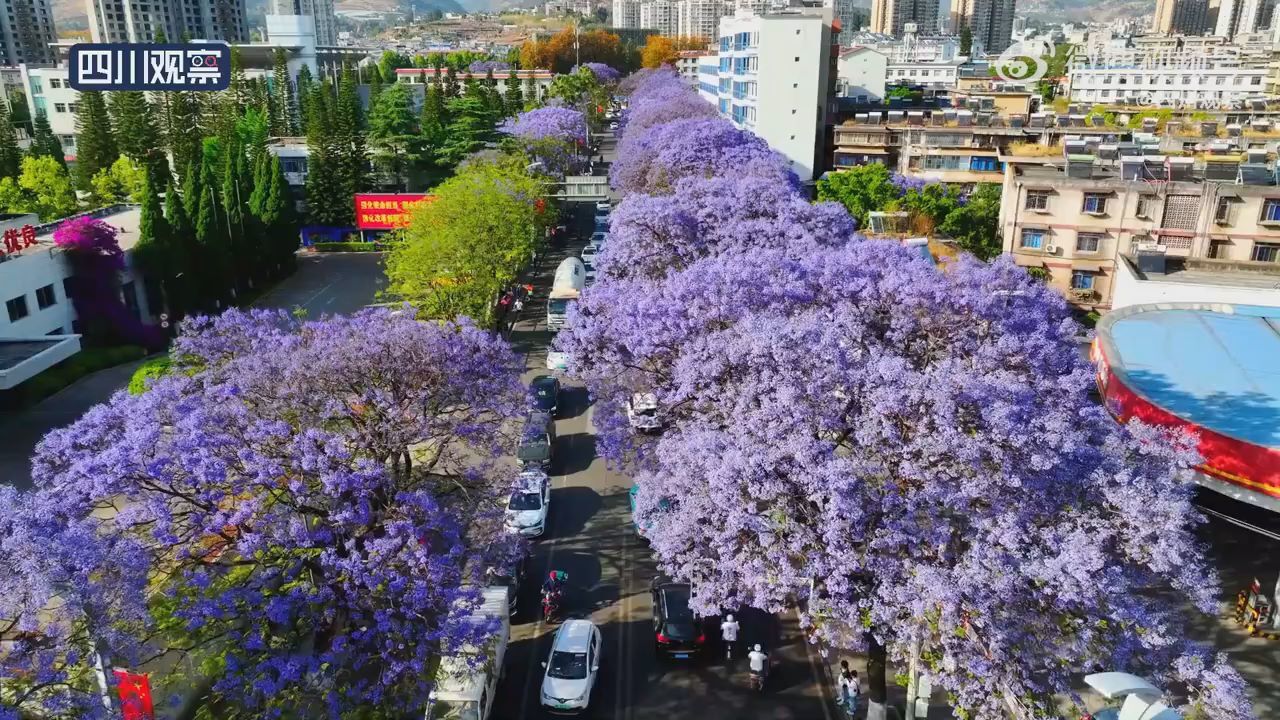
(877, 680)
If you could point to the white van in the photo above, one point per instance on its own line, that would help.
(567, 286)
(465, 688)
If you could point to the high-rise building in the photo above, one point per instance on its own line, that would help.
(1190, 17)
(626, 14)
(1238, 17)
(849, 15)
(139, 20)
(701, 18)
(775, 77)
(26, 29)
(990, 22)
(658, 15)
(321, 10)
(891, 16)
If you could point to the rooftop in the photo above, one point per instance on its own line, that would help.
(13, 352)
(127, 219)
(1213, 367)
(1201, 271)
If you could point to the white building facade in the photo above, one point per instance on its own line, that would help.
(861, 73)
(658, 15)
(772, 78)
(321, 11)
(626, 14)
(1209, 77)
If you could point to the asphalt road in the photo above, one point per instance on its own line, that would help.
(591, 537)
(329, 284)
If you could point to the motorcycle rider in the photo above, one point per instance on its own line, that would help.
(729, 632)
(552, 588)
(759, 662)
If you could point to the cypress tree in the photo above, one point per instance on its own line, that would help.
(450, 84)
(280, 219)
(44, 142)
(182, 128)
(514, 100)
(303, 94)
(489, 80)
(191, 191)
(10, 155)
(261, 184)
(324, 183)
(175, 213)
(96, 145)
(137, 133)
(375, 87)
(282, 97)
(352, 155)
(184, 289)
(152, 249)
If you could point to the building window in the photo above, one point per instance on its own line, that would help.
(1218, 249)
(1032, 239)
(17, 308)
(55, 83)
(73, 107)
(1094, 204)
(1270, 211)
(1088, 242)
(1081, 280)
(1262, 252)
(984, 164)
(1145, 203)
(60, 107)
(45, 297)
(1037, 200)
(1222, 215)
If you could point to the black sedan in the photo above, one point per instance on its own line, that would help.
(544, 393)
(677, 633)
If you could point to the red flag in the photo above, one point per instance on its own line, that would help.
(135, 696)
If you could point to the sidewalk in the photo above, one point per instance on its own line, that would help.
(22, 430)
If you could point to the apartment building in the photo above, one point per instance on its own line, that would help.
(140, 20)
(700, 18)
(896, 17)
(26, 29)
(689, 61)
(1173, 74)
(990, 21)
(774, 77)
(658, 15)
(861, 73)
(1075, 218)
(1182, 17)
(326, 22)
(626, 14)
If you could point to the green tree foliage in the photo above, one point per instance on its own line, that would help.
(44, 143)
(214, 249)
(96, 147)
(459, 251)
(153, 253)
(352, 152)
(966, 39)
(471, 125)
(280, 220)
(41, 187)
(19, 113)
(183, 292)
(514, 99)
(134, 122)
(124, 181)
(302, 92)
(451, 88)
(394, 134)
(325, 186)
(435, 118)
(183, 129)
(283, 121)
(10, 154)
(582, 91)
(390, 62)
(975, 226)
(375, 86)
(860, 189)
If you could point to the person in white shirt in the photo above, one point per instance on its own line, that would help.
(759, 661)
(729, 632)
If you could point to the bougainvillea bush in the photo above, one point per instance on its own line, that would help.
(96, 259)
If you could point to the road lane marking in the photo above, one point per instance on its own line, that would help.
(538, 625)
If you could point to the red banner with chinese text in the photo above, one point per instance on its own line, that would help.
(135, 696)
(386, 211)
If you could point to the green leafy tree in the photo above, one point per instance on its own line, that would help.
(19, 113)
(42, 187)
(283, 123)
(459, 251)
(470, 126)
(138, 133)
(389, 62)
(325, 185)
(96, 147)
(182, 126)
(375, 87)
(450, 84)
(10, 154)
(124, 181)
(44, 143)
(281, 220)
(975, 225)
(394, 135)
(860, 189)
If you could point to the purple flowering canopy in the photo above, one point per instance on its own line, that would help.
(655, 160)
(662, 97)
(910, 451)
(311, 496)
(604, 73)
(551, 135)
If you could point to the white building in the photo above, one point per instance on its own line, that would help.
(26, 29)
(936, 75)
(658, 15)
(326, 22)
(1174, 75)
(138, 20)
(701, 18)
(1196, 280)
(861, 73)
(689, 62)
(48, 91)
(626, 14)
(773, 78)
(38, 327)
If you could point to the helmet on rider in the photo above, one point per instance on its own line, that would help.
(552, 576)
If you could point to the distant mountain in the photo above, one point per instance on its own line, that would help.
(1057, 11)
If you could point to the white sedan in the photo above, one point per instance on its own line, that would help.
(589, 253)
(572, 669)
(557, 360)
(529, 502)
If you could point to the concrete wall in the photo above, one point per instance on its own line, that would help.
(863, 74)
(1130, 290)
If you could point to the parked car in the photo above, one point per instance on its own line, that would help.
(511, 578)
(537, 441)
(544, 394)
(642, 412)
(557, 360)
(1140, 700)
(598, 238)
(603, 207)
(602, 225)
(589, 253)
(572, 668)
(677, 633)
(529, 503)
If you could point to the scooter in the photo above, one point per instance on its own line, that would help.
(551, 606)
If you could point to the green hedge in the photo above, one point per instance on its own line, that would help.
(348, 247)
(85, 362)
(150, 370)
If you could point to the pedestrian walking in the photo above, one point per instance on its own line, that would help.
(850, 688)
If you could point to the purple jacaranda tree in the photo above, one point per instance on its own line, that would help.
(97, 261)
(604, 73)
(914, 454)
(480, 67)
(313, 497)
(662, 97)
(653, 162)
(652, 234)
(553, 136)
(61, 579)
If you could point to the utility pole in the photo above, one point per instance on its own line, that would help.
(576, 59)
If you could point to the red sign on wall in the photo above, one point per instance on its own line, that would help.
(135, 696)
(15, 240)
(387, 211)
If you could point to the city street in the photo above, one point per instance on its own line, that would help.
(591, 537)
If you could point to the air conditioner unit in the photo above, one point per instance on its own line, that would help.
(1051, 249)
